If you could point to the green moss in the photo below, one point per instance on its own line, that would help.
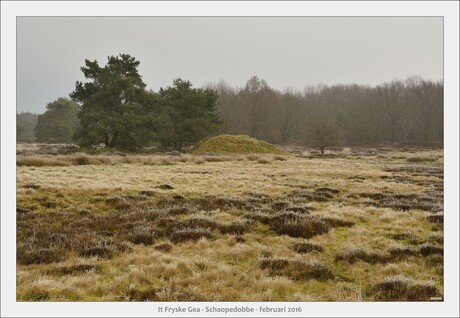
(235, 144)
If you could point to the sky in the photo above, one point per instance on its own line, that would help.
(285, 51)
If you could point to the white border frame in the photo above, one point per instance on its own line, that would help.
(10, 10)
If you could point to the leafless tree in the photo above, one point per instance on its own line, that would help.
(391, 96)
(256, 97)
(323, 133)
(290, 116)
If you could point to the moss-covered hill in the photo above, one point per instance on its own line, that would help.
(235, 144)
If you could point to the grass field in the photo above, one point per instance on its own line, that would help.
(353, 225)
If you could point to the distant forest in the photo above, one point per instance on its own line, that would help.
(400, 112)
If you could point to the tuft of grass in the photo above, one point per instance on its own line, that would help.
(420, 159)
(77, 269)
(337, 222)
(436, 238)
(429, 249)
(238, 227)
(199, 161)
(164, 247)
(296, 269)
(199, 222)
(82, 160)
(401, 288)
(401, 252)
(437, 218)
(141, 294)
(97, 251)
(355, 254)
(409, 237)
(32, 161)
(298, 225)
(178, 211)
(39, 256)
(306, 247)
(190, 234)
(264, 161)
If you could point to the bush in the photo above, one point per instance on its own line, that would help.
(306, 247)
(420, 159)
(237, 227)
(336, 222)
(428, 249)
(437, 218)
(400, 252)
(355, 254)
(82, 160)
(97, 251)
(190, 234)
(39, 162)
(75, 269)
(142, 238)
(263, 161)
(298, 225)
(39, 256)
(400, 288)
(165, 247)
(296, 269)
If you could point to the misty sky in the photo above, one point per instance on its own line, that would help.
(285, 51)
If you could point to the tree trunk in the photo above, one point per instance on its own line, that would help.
(322, 150)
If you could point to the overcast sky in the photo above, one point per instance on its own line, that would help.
(285, 51)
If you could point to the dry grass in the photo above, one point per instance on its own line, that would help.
(400, 288)
(114, 227)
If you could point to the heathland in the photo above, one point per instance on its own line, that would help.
(355, 224)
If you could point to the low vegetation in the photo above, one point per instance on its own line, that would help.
(231, 144)
(118, 227)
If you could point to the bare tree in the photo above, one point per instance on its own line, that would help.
(256, 97)
(226, 105)
(289, 116)
(323, 133)
(391, 102)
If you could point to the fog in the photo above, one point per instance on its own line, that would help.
(284, 51)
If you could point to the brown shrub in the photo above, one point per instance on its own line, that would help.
(264, 161)
(178, 211)
(39, 255)
(337, 222)
(75, 269)
(141, 294)
(306, 247)
(401, 252)
(437, 218)
(165, 187)
(297, 209)
(408, 237)
(165, 247)
(298, 225)
(355, 254)
(296, 269)
(237, 227)
(400, 288)
(190, 234)
(428, 249)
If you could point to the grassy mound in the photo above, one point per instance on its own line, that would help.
(232, 144)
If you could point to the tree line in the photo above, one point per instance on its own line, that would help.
(400, 112)
(114, 108)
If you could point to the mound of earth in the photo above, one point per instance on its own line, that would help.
(235, 144)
